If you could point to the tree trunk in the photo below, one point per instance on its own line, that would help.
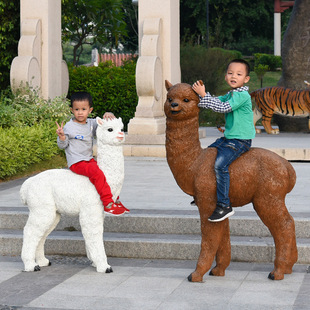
(296, 58)
(296, 47)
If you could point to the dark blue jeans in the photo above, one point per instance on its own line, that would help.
(227, 151)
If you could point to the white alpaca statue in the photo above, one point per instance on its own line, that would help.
(60, 191)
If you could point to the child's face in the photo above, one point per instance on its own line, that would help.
(81, 110)
(236, 75)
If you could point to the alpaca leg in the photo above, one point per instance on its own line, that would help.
(282, 227)
(211, 236)
(36, 227)
(223, 254)
(41, 260)
(91, 222)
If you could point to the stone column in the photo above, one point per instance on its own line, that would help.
(39, 62)
(159, 60)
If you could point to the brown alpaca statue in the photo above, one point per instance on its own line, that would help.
(258, 176)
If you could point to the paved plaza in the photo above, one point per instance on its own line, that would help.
(71, 283)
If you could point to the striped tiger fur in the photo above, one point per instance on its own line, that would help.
(279, 100)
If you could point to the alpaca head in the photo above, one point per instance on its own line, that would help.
(182, 102)
(110, 131)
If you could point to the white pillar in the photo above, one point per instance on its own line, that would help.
(39, 61)
(159, 60)
(277, 34)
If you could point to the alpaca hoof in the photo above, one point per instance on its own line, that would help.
(271, 276)
(49, 264)
(109, 270)
(37, 268)
(211, 273)
(194, 277)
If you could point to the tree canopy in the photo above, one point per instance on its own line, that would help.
(9, 36)
(244, 25)
(91, 22)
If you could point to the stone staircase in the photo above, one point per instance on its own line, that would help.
(155, 234)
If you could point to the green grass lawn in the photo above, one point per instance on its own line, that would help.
(270, 79)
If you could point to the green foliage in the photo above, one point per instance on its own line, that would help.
(27, 129)
(26, 108)
(91, 21)
(244, 25)
(272, 61)
(22, 146)
(84, 57)
(112, 88)
(9, 36)
(130, 40)
(260, 71)
(208, 65)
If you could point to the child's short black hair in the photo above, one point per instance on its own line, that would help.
(81, 96)
(241, 61)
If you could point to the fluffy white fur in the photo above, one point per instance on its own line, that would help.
(60, 191)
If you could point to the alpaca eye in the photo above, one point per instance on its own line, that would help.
(110, 129)
(169, 99)
(186, 100)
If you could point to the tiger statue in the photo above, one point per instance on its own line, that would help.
(279, 100)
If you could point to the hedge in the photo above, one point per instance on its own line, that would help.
(112, 88)
(23, 146)
(272, 61)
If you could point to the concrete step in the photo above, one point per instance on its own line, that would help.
(160, 222)
(155, 234)
(151, 246)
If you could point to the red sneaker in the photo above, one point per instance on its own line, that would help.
(118, 202)
(114, 209)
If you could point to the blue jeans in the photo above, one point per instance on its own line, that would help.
(227, 151)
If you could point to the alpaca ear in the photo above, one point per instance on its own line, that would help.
(168, 84)
(201, 82)
(99, 121)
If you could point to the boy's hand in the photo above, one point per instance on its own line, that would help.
(60, 131)
(199, 88)
(108, 116)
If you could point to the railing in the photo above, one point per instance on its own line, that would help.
(117, 59)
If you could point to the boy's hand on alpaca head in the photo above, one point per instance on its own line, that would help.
(60, 131)
(108, 116)
(199, 88)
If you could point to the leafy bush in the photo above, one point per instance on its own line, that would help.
(208, 65)
(27, 108)
(9, 36)
(260, 71)
(22, 146)
(113, 88)
(27, 129)
(272, 61)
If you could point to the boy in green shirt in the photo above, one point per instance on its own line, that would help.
(239, 129)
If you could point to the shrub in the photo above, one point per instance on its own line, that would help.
(260, 71)
(22, 146)
(27, 129)
(208, 65)
(112, 88)
(272, 61)
(26, 108)
(9, 36)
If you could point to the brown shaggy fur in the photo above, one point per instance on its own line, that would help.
(258, 176)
